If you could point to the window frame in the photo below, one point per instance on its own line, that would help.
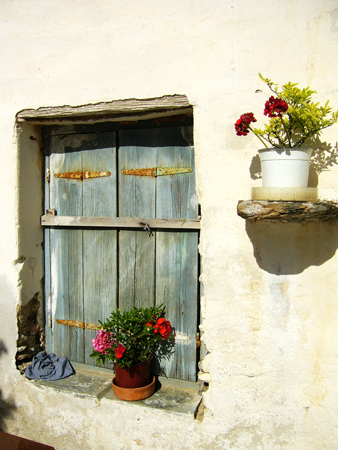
(102, 117)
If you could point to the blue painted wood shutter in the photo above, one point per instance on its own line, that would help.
(90, 271)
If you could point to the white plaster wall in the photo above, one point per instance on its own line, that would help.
(269, 309)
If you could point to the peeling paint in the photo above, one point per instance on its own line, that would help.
(20, 260)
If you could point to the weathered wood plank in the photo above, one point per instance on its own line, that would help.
(99, 194)
(279, 211)
(100, 280)
(176, 252)
(66, 252)
(116, 109)
(176, 195)
(72, 262)
(176, 287)
(99, 245)
(66, 291)
(119, 222)
(136, 269)
(136, 198)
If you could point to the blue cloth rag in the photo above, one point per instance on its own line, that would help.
(47, 366)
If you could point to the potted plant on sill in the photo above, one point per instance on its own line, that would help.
(130, 339)
(294, 120)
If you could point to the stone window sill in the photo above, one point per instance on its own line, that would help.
(181, 397)
(287, 211)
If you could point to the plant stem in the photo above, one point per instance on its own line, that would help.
(258, 137)
(286, 131)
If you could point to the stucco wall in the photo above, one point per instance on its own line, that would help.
(269, 307)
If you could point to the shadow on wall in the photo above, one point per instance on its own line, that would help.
(6, 406)
(290, 248)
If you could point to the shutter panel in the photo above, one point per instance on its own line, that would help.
(79, 290)
(66, 251)
(92, 271)
(177, 252)
(175, 272)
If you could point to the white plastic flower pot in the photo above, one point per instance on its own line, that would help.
(285, 167)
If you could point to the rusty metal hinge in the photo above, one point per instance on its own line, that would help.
(157, 171)
(179, 336)
(198, 341)
(82, 174)
(78, 324)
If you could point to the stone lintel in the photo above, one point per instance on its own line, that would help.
(129, 109)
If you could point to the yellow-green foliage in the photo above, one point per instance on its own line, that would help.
(303, 120)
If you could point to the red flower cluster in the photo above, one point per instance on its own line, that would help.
(275, 107)
(164, 327)
(119, 350)
(161, 326)
(243, 123)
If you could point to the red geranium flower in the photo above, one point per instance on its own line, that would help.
(242, 126)
(164, 327)
(275, 107)
(119, 351)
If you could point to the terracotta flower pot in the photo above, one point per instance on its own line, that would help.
(133, 383)
(133, 394)
(135, 376)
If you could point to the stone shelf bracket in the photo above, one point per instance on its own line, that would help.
(286, 211)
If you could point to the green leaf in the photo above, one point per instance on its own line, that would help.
(303, 120)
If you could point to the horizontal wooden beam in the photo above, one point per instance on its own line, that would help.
(129, 109)
(93, 326)
(282, 211)
(119, 222)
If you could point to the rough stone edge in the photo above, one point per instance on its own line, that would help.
(30, 333)
(105, 110)
(282, 211)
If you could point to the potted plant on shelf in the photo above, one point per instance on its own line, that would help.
(294, 120)
(130, 339)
